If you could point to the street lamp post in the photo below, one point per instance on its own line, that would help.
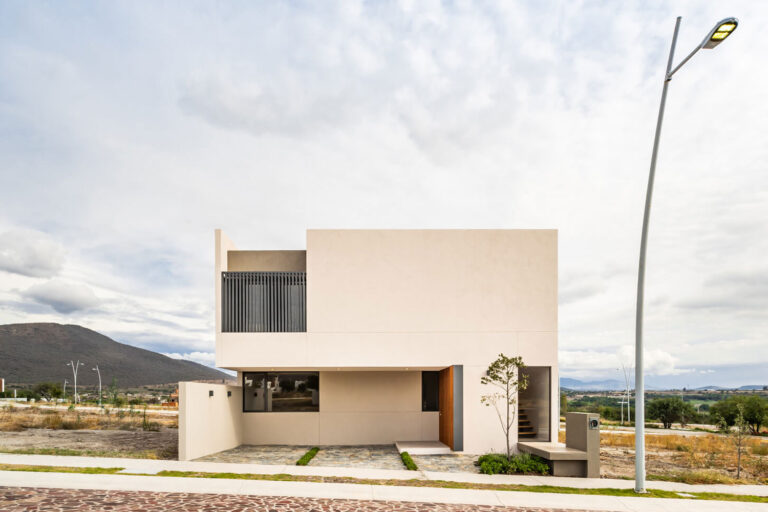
(75, 366)
(99, 374)
(717, 35)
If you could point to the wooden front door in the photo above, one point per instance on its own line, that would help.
(445, 399)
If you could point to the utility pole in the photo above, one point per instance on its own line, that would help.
(64, 391)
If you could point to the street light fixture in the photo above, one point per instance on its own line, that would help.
(99, 374)
(721, 31)
(75, 366)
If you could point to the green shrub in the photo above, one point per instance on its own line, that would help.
(304, 460)
(497, 464)
(408, 462)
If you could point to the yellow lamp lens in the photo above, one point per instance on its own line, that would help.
(726, 27)
(719, 35)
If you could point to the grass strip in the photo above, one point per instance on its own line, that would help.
(441, 484)
(444, 484)
(148, 454)
(59, 469)
(408, 462)
(304, 460)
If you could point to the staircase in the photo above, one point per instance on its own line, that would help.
(524, 428)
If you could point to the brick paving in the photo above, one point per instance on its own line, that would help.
(25, 499)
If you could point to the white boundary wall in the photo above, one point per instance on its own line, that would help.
(209, 424)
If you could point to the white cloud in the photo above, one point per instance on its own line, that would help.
(30, 253)
(447, 115)
(64, 297)
(594, 363)
(206, 358)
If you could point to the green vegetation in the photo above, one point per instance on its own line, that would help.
(671, 410)
(755, 411)
(282, 477)
(304, 460)
(497, 464)
(408, 462)
(696, 477)
(59, 469)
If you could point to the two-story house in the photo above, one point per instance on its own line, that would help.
(378, 336)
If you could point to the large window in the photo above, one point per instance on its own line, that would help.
(430, 391)
(281, 392)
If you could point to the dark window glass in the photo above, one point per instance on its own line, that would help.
(281, 392)
(430, 391)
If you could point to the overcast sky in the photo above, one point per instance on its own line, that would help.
(129, 131)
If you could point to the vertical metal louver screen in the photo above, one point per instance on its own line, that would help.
(264, 301)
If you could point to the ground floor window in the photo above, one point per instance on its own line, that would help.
(281, 392)
(430, 391)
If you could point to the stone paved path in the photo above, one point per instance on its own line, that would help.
(253, 454)
(18, 499)
(448, 463)
(376, 456)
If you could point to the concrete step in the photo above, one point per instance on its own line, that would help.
(422, 447)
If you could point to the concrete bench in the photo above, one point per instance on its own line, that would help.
(580, 455)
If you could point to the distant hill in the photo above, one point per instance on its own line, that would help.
(37, 352)
(596, 385)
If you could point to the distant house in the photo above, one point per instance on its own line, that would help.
(377, 336)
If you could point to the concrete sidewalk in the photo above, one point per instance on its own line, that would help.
(363, 492)
(151, 467)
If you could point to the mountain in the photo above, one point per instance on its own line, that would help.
(595, 385)
(37, 352)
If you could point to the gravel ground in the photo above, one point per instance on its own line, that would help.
(122, 441)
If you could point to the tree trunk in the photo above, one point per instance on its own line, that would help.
(509, 455)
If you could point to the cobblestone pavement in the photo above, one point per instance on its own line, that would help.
(383, 456)
(18, 499)
(448, 463)
(376, 456)
(251, 454)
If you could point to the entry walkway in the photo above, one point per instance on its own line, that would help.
(151, 467)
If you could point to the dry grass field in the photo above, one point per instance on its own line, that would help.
(81, 432)
(16, 419)
(707, 458)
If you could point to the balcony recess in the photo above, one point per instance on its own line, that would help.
(264, 301)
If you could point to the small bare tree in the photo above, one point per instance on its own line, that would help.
(739, 434)
(505, 375)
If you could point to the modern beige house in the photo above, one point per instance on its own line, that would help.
(377, 337)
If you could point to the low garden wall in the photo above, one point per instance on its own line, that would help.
(210, 418)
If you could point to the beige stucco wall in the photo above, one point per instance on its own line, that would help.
(431, 280)
(208, 424)
(267, 261)
(355, 408)
(415, 299)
